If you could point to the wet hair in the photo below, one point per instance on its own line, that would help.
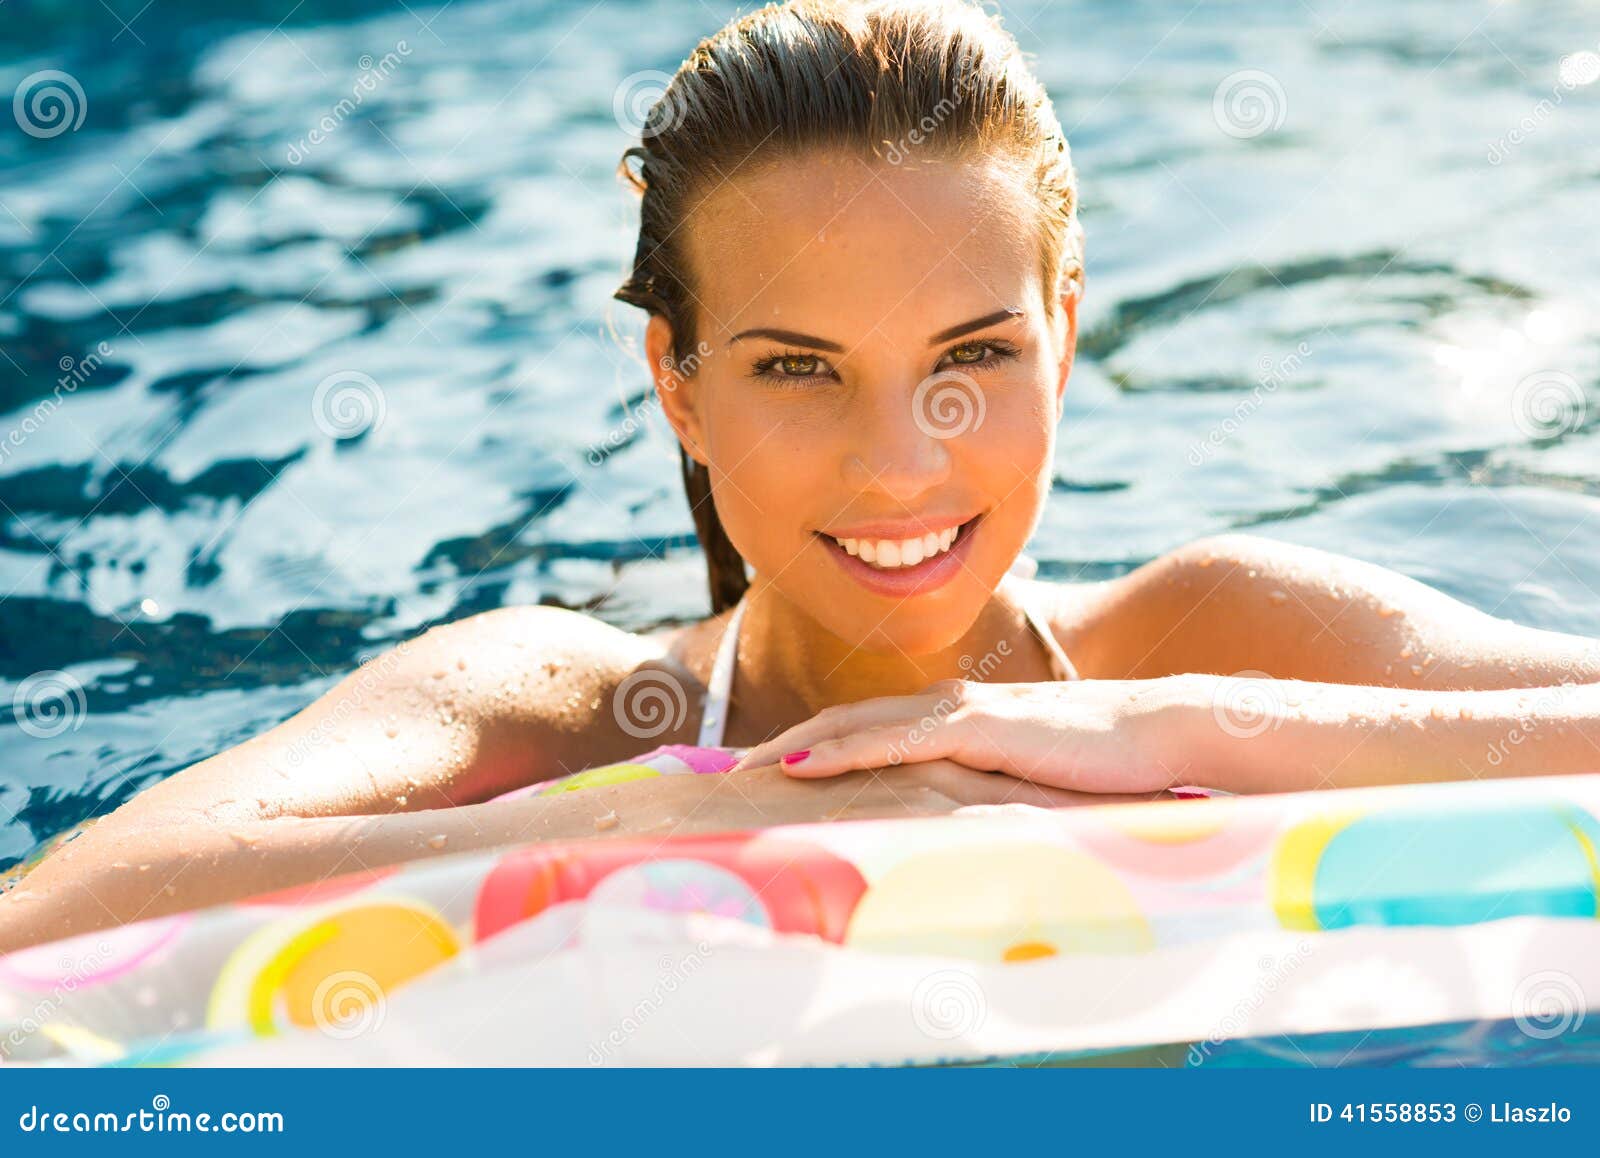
(887, 78)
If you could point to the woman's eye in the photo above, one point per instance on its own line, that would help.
(984, 353)
(798, 366)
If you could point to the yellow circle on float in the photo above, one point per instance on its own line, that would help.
(286, 972)
(1292, 874)
(999, 903)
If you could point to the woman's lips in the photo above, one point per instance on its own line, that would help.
(899, 582)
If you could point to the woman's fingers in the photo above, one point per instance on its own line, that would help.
(836, 723)
(885, 746)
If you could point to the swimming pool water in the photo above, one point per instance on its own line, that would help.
(342, 366)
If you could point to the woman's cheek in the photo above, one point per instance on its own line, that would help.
(762, 496)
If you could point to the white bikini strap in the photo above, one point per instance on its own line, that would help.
(1060, 666)
(720, 687)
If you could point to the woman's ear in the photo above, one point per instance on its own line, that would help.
(1071, 293)
(674, 387)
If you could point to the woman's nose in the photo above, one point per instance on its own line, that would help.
(894, 448)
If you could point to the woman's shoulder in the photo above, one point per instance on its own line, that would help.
(1159, 616)
(569, 673)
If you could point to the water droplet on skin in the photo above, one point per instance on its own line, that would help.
(438, 675)
(1405, 652)
(438, 841)
(120, 864)
(1436, 712)
(170, 891)
(391, 731)
(1207, 561)
(1464, 713)
(1387, 612)
(144, 868)
(1416, 669)
(401, 800)
(461, 665)
(608, 821)
(1278, 597)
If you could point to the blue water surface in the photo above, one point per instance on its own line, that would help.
(1342, 290)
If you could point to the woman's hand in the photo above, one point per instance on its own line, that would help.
(1110, 736)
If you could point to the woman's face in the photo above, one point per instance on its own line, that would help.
(876, 388)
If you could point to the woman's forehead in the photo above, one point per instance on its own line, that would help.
(860, 245)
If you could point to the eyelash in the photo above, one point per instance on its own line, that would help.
(998, 350)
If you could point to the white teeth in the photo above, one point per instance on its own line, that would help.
(888, 553)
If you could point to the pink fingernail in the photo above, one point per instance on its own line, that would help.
(796, 757)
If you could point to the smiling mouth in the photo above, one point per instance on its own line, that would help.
(892, 555)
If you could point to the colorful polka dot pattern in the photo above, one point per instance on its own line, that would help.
(1004, 887)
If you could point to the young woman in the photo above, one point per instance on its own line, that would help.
(861, 260)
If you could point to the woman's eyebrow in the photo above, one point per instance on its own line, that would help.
(795, 338)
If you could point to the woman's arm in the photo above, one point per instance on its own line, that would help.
(1252, 666)
(462, 713)
(139, 873)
